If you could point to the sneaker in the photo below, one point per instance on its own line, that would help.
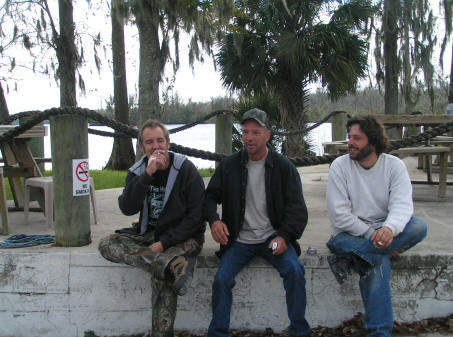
(182, 269)
(340, 266)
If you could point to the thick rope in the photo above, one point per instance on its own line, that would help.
(35, 113)
(314, 126)
(128, 131)
(204, 119)
(122, 128)
(25, 240)
(421, 137)
(408, 141)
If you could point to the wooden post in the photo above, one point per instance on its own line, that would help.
(3, 205)
(413, 130)
(339, 127)
(223, 134)
(449, 111)
(69, 140)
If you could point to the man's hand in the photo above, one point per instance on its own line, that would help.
(219, 232)
(281, 245)
(157, 161)
(157, 247)
(382, 238)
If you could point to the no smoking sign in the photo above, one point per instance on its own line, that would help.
(80, 177)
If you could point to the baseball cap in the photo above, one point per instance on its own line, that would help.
(258, 115)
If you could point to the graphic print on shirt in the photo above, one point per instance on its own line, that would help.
(156, 202)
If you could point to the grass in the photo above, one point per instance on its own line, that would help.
(105, 179)
(206, 172)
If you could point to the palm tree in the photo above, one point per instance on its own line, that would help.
(160, 22)
(282, 46)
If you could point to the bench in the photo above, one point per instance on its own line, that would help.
(444, 141)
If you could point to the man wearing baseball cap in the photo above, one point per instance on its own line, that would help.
(264, 214)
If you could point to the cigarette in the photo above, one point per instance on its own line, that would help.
(379, 243)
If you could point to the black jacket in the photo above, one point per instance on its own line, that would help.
(285, 202)
(182, 216)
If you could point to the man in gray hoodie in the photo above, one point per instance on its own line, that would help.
(168, 191)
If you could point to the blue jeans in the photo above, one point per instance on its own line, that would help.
(375, 280)
(232, 262)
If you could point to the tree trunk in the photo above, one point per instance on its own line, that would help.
(123, 155)
(391, 63)
(292, 104)
(4, 113)
(450, 90)
(391, 10)
(147, 18)
(66, 55)
(406, 89)
(69, 141)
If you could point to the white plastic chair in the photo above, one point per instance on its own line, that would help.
(46, 183)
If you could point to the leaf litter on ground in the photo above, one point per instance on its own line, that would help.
(349, 328)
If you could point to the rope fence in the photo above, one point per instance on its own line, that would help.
(127, 131)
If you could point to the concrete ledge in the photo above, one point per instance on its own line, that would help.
(64, 294)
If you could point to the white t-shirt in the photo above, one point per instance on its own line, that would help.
(257, 225)
(361, 200)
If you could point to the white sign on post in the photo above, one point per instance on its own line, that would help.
(80, 177)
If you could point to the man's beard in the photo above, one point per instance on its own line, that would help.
(363, 153)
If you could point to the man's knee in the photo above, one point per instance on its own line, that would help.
(111, 249)
(344, 243)
(223, 279)
(104, 245)
(293, 269)
(418, 227)
(107, 251)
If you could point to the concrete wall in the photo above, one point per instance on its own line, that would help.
(65, 294)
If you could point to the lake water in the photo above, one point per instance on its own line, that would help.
(201, 137)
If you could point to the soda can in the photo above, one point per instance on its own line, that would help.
(312, 251)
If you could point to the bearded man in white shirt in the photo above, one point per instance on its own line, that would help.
(369, 199)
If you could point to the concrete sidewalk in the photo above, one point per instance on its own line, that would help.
(56, 291)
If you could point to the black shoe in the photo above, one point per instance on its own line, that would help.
(182, 269)
(285, 333)
(340, 266)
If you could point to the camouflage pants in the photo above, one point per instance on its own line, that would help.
(134, 250)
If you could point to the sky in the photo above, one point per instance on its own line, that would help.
(40, 93)
(36, 92)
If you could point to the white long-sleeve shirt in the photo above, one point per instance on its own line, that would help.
(361, 200)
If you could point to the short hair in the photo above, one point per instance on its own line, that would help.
(374, 130)
(152, 123)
